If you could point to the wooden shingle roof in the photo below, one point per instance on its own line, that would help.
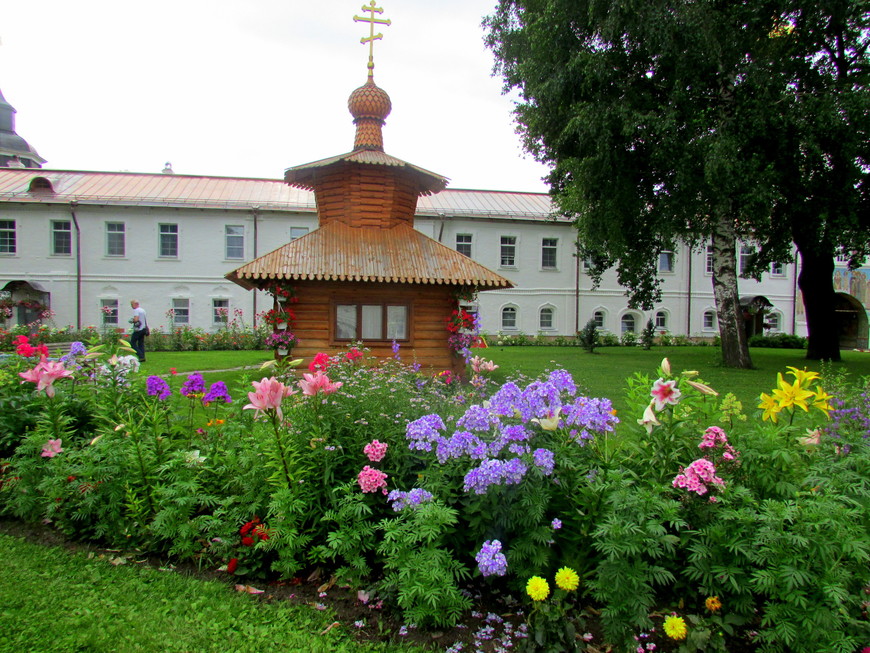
(338, 252)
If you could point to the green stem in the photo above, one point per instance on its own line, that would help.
(273, 416)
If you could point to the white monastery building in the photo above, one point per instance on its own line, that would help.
(85, 243)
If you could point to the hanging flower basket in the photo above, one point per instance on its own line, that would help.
(279, 340)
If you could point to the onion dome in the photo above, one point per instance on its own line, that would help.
(369, 105)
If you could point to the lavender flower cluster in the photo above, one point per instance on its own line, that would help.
(490, 560)
(500, 432)
(217, 392)
(414, 498)
(157, 387)
(194, 385)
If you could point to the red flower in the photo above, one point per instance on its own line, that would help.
(42, 350)
(261, 532)
(231, 565)
(248, 540)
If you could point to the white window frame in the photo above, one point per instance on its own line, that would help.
(8, 239)
(777, 269)
(109, 319)
(230, 250)
(181, 311)
(551, 310)
(708, 320)
(660, 319)
(708, 260)
(167, 234)
(777, 316)
(670, 266)
(218, 303)
(513, 318)
(56, 232)
(746, 251)
(623, 322)
(116, 233)
(507, 251)
(298, 232)
(549, 253)
(465, 245)
(599, 324)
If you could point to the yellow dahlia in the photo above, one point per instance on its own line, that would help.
(567, 579)
(537, 588)
(713, 603)
(675, 627)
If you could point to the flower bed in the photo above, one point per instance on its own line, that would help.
(680, 524)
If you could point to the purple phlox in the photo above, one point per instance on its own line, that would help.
(157, 387)
(194, 385)
(412, 498)
(423, 432)
(714, 437)
(217, 392)
(490, 560)
(589, 416)
(545, 460)
(563, 382)
(494, 472)
(478, 418)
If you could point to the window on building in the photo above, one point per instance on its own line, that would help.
(598, 316)
(661, 320)
(7, 237)
(549, 248)
(61, 238)
(509, 317)
(373, 321)
(774, 322)
(545, 318)
(746, 252)
(109, 312)
(463, 244)
(666, 262)
(234, 236)
(168, 247)
(298, 232)
(508, 251)
(587, 264)
(777, 269)
(181, 312)
(116, 239)
(709, 321)
(709, 263)
(220, 311)
(628, 323)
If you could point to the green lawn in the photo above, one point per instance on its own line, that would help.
(54, 600)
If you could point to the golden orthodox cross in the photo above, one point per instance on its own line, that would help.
(373, 9)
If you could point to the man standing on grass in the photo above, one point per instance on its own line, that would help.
(137, 335)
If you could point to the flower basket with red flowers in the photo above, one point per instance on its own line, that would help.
(460, 320)
(278, 316)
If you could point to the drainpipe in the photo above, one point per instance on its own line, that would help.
(72, 211)
(255, 211)
(689, 297)
(576, 292)
(442, 217)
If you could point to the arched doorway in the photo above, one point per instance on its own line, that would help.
(851, 321)
(754, 308)
(24, 303)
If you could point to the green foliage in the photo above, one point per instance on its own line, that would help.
(778, 341)
(422, 575)
(648, 335)
(588, 337)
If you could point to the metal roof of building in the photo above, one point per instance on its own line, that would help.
(154, 189)
(338, 252)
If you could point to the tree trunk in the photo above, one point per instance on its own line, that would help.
(732, 331)
(816, 281)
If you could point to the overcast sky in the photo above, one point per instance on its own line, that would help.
(248, 88)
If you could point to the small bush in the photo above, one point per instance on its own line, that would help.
(778, 341)
(588, 337)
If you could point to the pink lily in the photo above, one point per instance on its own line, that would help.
(45, 374)
(311, 384)
(51, 448)
(665, 392)
(268, 396)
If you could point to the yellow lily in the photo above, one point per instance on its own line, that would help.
(822, 401)
(771, 408)
(802, 376)
(793, 394)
